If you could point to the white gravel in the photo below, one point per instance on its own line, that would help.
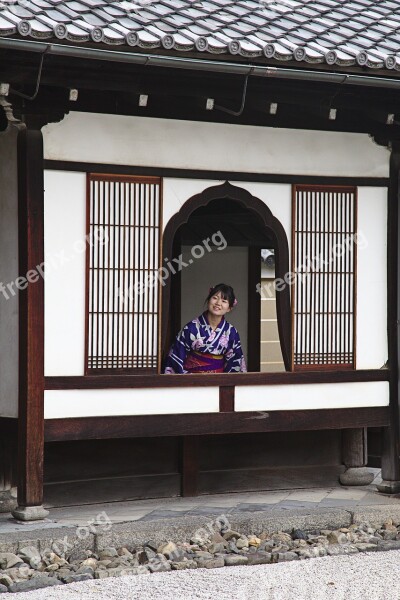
(373, 576)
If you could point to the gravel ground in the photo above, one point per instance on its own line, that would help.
(372, 576)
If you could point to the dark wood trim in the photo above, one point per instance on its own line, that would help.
(31, 319)
(391, 437)
(60, 165)
(227, 398)
(190, 466)
(254, 310)
(274, 228)
(99, 382)
(212, 423)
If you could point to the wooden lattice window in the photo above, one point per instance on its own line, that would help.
(123, 258)
(324, 262)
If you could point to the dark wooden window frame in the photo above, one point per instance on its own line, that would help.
(325, 189)
(117, 179)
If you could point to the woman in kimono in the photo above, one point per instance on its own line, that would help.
(209, 344)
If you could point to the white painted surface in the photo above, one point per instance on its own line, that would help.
(8, 274)
(219, 266)
(311, 396)
(372, 345)
(278, 197)
(65, 230)
(59, 404)
(125, 140)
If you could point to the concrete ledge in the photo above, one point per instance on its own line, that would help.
(69, 540)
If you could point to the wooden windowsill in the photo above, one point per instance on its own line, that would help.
(215, 379)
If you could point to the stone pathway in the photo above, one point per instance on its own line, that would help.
(230, 504)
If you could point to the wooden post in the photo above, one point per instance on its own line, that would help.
(390, 449)
(355, 457)
(31, 327)
(190, 465)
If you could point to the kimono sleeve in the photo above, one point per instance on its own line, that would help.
(234, 358)
(178, 352)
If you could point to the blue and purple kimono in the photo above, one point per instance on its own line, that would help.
(200, 349)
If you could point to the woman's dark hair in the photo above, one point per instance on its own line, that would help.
(227, 293)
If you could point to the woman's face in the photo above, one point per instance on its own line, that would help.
(218, 306)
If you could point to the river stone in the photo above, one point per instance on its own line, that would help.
(216, 547)
(242, 543)
(157, 565)
(337, 550)
(31, 555)
(213, 563)
(364, 547)
(254, 541)
(184, 564)
(77, 577)
(281, 537)
(234, 560)
(108, 553)
(9, 560)
(202, 554)
(36, 583)
(260, 558)
(5, 579)
(230, 534)
(3, 589)
(336, 537)
(298, 534)
(287, 556)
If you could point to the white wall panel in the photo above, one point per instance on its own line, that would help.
(65, 230)
(311, 396)
(372, 348)
(60, 404)
(125, 140)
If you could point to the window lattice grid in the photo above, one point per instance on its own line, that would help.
(122, 265)
(324, 260)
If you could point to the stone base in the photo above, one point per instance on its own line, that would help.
(30, 513)
(356, 476)
(8, 501)
(389, 487)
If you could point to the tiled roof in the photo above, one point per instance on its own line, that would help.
(341, 32)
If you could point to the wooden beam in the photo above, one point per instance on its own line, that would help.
(98, 382)
(212, 423)
(31, 320)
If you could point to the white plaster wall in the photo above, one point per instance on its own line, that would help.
(372, 347)
(311, 396)
(219, 266)
(60, 404)
(277, 196)
(212, 146)
(65, 230)
(8, 274)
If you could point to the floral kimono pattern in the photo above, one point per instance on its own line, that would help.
(200, 349)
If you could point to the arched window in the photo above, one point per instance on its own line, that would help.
(245, 223)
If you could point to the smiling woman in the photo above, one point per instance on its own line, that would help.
(209, 344)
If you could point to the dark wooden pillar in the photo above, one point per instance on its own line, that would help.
(190, 465)
(390, 449)
(31, 327)
(355, 457)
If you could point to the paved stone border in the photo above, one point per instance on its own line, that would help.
(242, 540)
(57, 555)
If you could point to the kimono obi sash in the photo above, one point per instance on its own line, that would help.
(202, 362)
